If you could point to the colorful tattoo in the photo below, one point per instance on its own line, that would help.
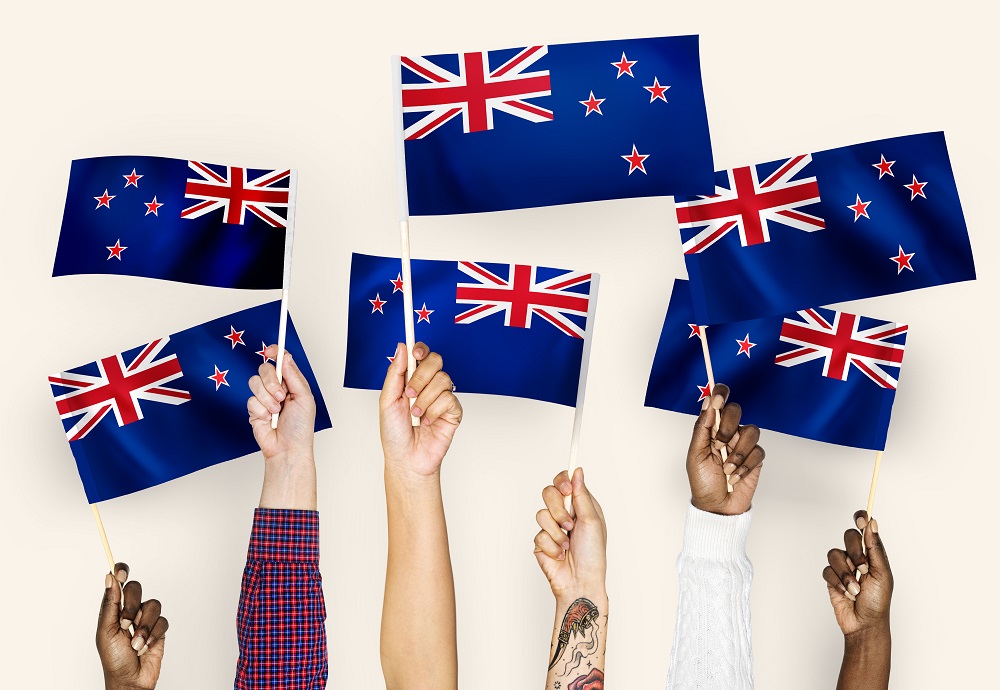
(580, 615)
(592, 681)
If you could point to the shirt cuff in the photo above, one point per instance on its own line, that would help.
(716, 537)
(284, 535)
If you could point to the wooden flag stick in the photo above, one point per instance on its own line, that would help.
(104, 538)
(286, 279)
(871, 491)
(411, 363)
(581, 391)
(703, 334)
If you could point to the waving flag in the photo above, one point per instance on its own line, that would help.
(556, 124)
(172, 219)
(172, 406)
(838, 225)
(817, 373)
(528, 321)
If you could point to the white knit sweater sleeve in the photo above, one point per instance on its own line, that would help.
(712, 637)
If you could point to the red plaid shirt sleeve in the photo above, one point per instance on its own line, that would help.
(281, 620)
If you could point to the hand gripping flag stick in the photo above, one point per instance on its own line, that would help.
(581, 391)
(703, 335)
(293, 185)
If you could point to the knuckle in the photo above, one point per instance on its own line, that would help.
(540, 516)
(433, 360)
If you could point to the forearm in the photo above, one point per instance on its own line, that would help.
(867, 656)
(289, 483)
(579, 641)
(418, 638)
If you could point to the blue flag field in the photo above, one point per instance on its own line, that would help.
(172, 406)
(502, 329)
(556, 124)
(817, 373)
(848, 223)
(186, 221)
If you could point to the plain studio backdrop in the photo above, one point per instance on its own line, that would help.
(307, 85)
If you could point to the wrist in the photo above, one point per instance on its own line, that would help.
(869, 637)
(598, 594)
(398, 472)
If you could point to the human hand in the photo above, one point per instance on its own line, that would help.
(860, 604)
(293, 439)
(417, 452)
(576, 563)
(130, 661)
(706, 470)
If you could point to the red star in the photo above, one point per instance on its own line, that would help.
(397, 285)
(104, 200)
(235, 337)
(635, 161)
(132, 179)
(656, 91)
(624, 66)
(377, 304)
(706, 392)
(152, 207)
(219, 377)
(884, 167)
(391, 358)
(263, 352)
(860, 208)
(903, 260)
(745, 346)
(424, 313)
(116, 251)
(593, 105)
(916, 188)
(695, 330)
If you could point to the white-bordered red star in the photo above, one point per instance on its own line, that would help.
(884, 167)
(706, 392)
(903, 260)
(104, 200)
(916, 188)
(116, 250)
(593, 105)
(219, 377)
(377, 304)
(745, 346)
(624, 66)
(397, 284)
(262, 352)
(132, 179)
(695, 330)
(424, 313)
(657, 91)
(636, 161)
(235, 337)
(860, 208)
(152, 207)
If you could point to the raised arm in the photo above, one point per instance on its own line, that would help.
(418, 643)
(575, 564)
(281, 619)
(712, 637)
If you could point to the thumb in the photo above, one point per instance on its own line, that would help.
(395, 378)
(583, 502)
(108, 624)
(878, 561)
(701, 437)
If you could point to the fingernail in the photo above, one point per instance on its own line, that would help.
(568, 526)
(861, 522)
(562, 556)
(122, 576)
(108, 580)
(850, 596)
(565, 546)
(733, 478)
(425, 421)
(137, 643)
(566, 488)
(854, 589)
(416, 411)
(125, 623)
(411, 393)
(144, 649)
(705, 403)
(717, 402)
(874, 526)
(729, 467)
(863, 568)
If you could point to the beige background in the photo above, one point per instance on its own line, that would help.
(307, 85)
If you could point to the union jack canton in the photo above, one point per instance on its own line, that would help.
(235, 194)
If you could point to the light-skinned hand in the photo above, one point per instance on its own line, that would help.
(292, 397)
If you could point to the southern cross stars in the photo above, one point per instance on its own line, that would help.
(132, 179)
(424, 313)
(884, 167)
(219, 377)
(656, 91)
(745, 346)
(624, 66)
(377, 304)
(593, 104)
(116, 250)
(706, 392)
(104, 200)
(397, 285)
(860, 208)
(152, 207)
(263, 352)
(916, 188)
(235, 337)
(903, 260)
(636, 161)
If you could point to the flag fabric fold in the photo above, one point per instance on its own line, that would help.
(172, 406)
(816, 373)
(848, 223)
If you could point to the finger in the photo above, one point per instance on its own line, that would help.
(257, 411)
(145, 621)
(878, 561)
(438, 384)
(269, 376)
(547, 546)
(701, 436)
(845, 571)
(426, 369)
(730, 422)
(548, 523)
(155, 635)
(107, 619)
(395, 377)
(263, 395)
(556, 504)
(855, 550)
(562, 482)
(753, 462)
(747, 441)
(121, 572)
(834, 583)
(420, 350)
(293, 377)
(583, 502)
(720, 395)
(446, 404)
(131, 597)
(861, 519)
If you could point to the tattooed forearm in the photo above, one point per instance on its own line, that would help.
(580, 616)
(578, 643)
